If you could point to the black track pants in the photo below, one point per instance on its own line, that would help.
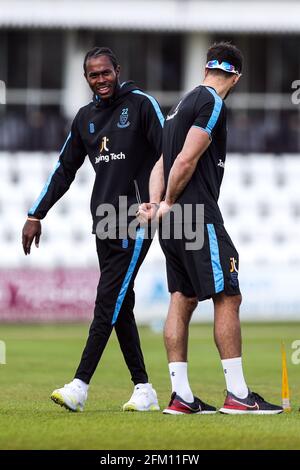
(119, 263)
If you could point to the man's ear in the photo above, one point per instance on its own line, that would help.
(235, 79)
(118, 70)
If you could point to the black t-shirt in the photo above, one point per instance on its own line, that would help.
(203, 108)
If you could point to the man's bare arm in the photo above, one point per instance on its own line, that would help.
(157, 182)
(148, 210)
(196, 142)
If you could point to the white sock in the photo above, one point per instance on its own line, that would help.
(79, 383)
(235, 382)
(180, 381)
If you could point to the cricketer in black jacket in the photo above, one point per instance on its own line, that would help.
(122, 137)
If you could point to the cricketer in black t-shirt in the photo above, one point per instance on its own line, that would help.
(214, 267)
(194, 152)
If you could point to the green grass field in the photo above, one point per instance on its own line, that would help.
(41, 358)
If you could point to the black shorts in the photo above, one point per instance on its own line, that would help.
(204, 272)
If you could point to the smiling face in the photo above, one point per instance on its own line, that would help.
(101, 76)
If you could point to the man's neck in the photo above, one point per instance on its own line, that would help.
(218, 84)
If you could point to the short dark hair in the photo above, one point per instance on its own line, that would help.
(96, 51)
(224, 51)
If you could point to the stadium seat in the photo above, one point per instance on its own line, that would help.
(260, 202)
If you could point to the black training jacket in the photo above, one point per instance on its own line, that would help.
(122, 137)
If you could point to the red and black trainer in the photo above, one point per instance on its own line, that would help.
(252, 404)
(178, 406)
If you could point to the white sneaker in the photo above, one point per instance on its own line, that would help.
(144, 398)
(71, 396)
